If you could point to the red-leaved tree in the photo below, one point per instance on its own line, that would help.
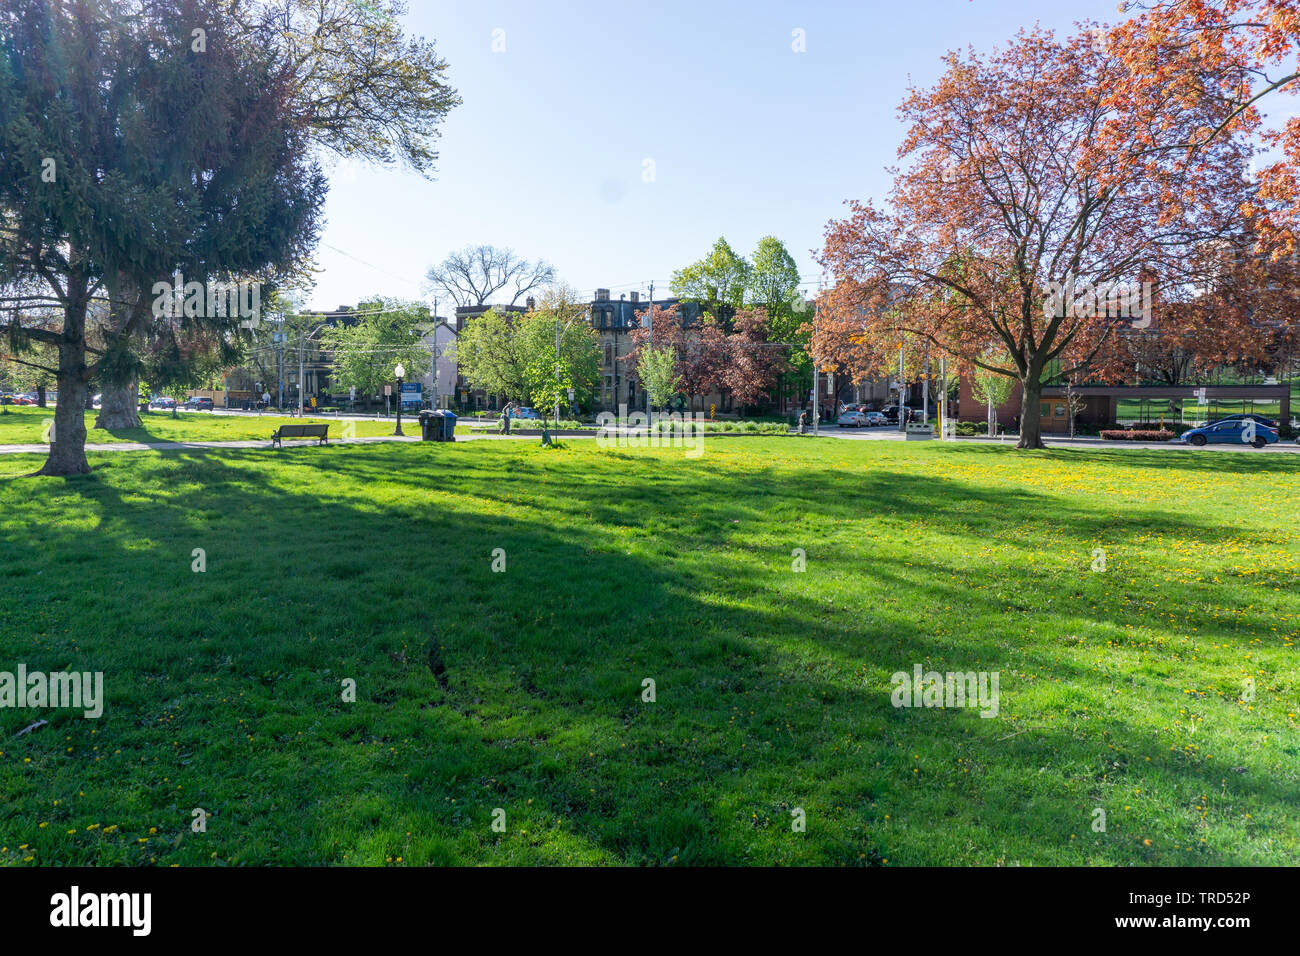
(1008, 227)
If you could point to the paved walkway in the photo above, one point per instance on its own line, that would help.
(877, 434)
(249, 443)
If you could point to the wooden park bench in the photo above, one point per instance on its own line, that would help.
(300, 431)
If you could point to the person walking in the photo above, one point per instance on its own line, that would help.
(505, 417)
(803, 421)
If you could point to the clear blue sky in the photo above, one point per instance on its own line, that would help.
(748, 138)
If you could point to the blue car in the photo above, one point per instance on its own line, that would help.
(1233, 431)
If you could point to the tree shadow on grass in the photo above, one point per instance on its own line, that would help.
(344, 563)
(1243, 462)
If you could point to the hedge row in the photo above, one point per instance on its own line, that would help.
(1134, 434)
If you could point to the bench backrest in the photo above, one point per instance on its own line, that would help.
(304, 431)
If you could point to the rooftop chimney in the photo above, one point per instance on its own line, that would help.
(634, 296)
(602, 295)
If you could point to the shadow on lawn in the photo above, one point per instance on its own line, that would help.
(310, 578)
(1243, 462)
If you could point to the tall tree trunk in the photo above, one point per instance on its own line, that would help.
(119, 406)
(1031, 422)
(68, 440)
(40, 396)
(119, 403)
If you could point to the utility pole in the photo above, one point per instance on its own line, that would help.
(302, 348)
(280, 364)
(925, 392)
(650, 324)
(817, 419)
(902, 414)
(943, 397)
(434, 403)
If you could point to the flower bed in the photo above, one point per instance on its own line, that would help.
(1134, 434)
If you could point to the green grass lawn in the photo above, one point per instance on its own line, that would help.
(27, 424)
(1120, 690)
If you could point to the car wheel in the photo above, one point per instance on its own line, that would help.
(1259, 443)
(1198, 440)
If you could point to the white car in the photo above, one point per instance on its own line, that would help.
(852, 420)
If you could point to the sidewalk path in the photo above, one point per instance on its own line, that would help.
(1050, 441)
(248, 443)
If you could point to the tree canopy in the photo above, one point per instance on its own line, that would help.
(1010, 229)
(135, 147)
(385, 332)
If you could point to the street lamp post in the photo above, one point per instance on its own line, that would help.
(399, 373)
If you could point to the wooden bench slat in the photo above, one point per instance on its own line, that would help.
(300, 431)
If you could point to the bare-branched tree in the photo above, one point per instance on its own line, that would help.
(476, 273)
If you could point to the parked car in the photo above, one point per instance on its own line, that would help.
(1230, 432)
(891, 414)
(1258, 419)
(851, 420)
(528, 413)
(200, 404)
(25, 398)
(876, 418)
(163, 402)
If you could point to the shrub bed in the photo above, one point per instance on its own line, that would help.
(1135, 434)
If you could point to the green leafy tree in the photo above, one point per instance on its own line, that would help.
(359, 87)
(658, 371)
(774, 287)
(355, 87)
(489, 355)
(560, 351)
(992, 388)
(773, 278)
(717, 282)
(387, 332)
(127, 153)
